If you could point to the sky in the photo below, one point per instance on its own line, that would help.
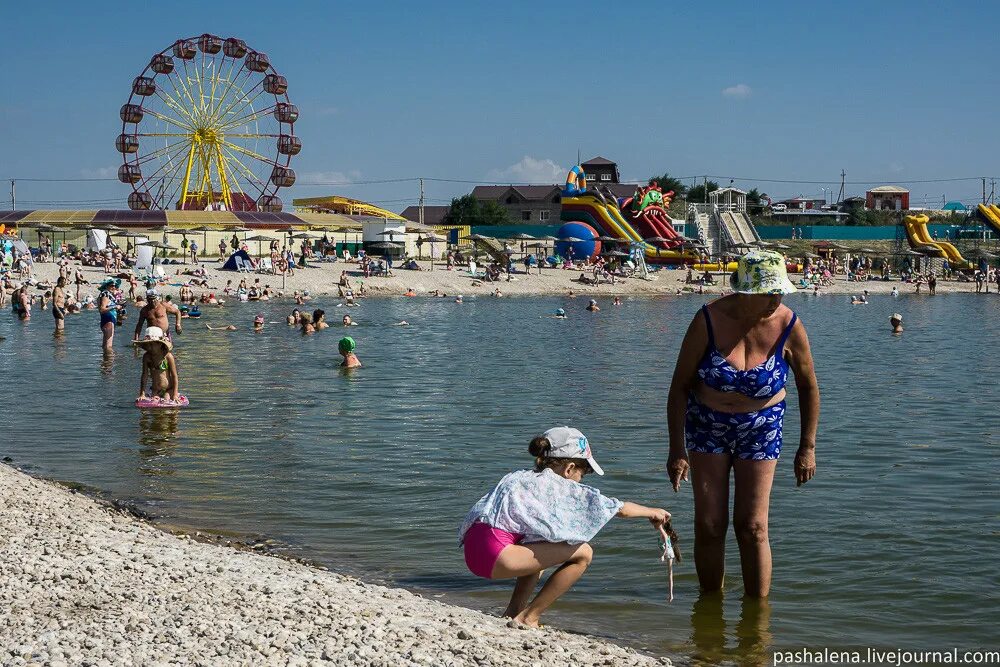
(891, 92)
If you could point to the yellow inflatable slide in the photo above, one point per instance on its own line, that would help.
(916, 233)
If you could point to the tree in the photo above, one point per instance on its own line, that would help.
(470, 211)
(668, 183)
(697, 194)
(754, 197)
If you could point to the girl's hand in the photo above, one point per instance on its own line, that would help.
(805, 464)
(678, 467)
(658, 517)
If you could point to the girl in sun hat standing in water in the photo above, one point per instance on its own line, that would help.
(725, 413)
(536, 519)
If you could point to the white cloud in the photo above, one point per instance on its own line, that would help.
(739, 91)
(529, 170)
(331, 177)
(100, 172)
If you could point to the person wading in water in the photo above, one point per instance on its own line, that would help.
(155, 313)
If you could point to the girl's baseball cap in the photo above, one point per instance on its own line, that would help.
(569, 443)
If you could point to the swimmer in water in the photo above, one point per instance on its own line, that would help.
(401, 323)
(346, 347)
(592, 306)
(896, 320)
(319, 319)
(458, 299)
(258, 322)
(348, 322)
(409, 292)
(294, 318)
(895, 292)
(560, 314)
(224, 327)
(617, 302)
(306, 319)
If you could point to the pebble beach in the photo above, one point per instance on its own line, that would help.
(86, 584)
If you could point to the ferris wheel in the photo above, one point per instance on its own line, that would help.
(208, 125)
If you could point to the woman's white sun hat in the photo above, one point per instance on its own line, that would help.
(761, 272)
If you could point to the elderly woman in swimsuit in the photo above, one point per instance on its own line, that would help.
(725, 412)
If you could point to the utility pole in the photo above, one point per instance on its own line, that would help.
(421, 216)
(993, 189)
(13, 196)
(843, 177)
(984, 189)
(705, 186)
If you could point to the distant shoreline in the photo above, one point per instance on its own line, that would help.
(320, 280)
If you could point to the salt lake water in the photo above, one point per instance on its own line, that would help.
(893, 544)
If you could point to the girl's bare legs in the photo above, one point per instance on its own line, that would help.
(750, 513)
(710, 483)
(523, 589)
(529, 560)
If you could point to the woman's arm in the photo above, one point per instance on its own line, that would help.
(801, 361)
(685, 372)
(656, 516)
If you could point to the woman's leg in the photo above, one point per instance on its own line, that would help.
(710, 482)
(108, 329)
(750, 511)
(523, 589)
(524, 560)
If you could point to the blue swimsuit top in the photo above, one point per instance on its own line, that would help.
(761, 381)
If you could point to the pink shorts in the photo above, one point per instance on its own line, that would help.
(483, 544)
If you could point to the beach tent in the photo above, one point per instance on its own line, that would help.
(97, 239)
(955, 206)
(230, 264)
(144, 254)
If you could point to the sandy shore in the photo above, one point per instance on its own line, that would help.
(321, 279)
(83, 584)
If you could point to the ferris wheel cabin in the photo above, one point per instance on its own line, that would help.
(129, 173)
(131, 113)
(140, 201)
(127, 143)
(286, 113)
(234, 48)
(275, 84)
(283, 177)
(257, 61)
(184, 49)
(162, 64)
(289, 144)
(269, 204)
(210, 44)
(144, 86)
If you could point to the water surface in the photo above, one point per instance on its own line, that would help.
(892, 545)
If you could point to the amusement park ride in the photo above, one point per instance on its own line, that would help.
(208, 125)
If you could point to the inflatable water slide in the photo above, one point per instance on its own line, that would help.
(634, 219)
(916, 234)
(991, 214)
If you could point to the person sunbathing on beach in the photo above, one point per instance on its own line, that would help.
(544, 518)
(159, 368)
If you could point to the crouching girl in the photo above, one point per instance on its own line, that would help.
(542, 518)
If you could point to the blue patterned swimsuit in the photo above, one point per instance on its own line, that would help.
(747, 435)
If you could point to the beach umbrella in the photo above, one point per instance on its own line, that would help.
(476, 237)
(159, 245)
(521, 236)
(259, 238)
(304, 235)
